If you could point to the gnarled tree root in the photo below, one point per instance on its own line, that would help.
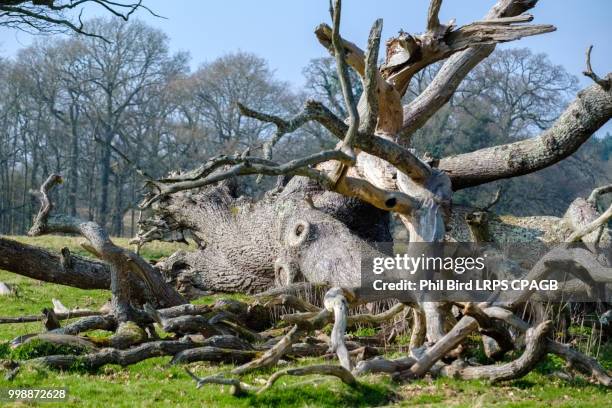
(535, 349)
(93, 361)
(239, 388)
(105, 356)
(214, 354)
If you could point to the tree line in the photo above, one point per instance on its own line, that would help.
(95, 109)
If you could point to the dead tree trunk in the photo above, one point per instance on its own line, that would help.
(316, 227)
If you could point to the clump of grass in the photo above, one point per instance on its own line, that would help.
(5, 350)
(403, 339)
(475, 350)
(40, 348)
(365, 332)
(550, 364)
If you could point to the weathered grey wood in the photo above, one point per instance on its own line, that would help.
(587, 113)
(38, 263)
(536, 347)
(214, 354)
(105, 356)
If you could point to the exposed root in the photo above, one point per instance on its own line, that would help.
(272, 356)
(240, 388)
(214, 354)
(39, 318)
(336, 371)
(580, 362)
(381, 365)
(106, 322)
(534, 351)
(419, 328)
(335, 301)
(452, 339)
(351, 321)
(576, 360)
(496, 338)
(105, 356)
(293, 302)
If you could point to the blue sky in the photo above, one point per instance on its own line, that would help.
(281, 31)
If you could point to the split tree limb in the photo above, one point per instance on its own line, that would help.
(407, 54)
(600, 221)
(433, 22)
(454, 70)
(535, 349)
(370, 83)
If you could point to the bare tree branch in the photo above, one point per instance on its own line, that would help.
(245, 166)
(371, 78)
(126, 266)
(50, 16)
(604, 83)
(587, 113)
(433, 22)
(599, 191)
(454, 70)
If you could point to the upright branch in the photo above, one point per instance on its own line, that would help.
(345, 82)
(347, 93)
(603, 82)
(371, 78)
(433, 22)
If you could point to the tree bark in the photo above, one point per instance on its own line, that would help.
(298, 234)
(63, 269)
(583, 117)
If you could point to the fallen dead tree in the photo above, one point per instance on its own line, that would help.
(314, 227)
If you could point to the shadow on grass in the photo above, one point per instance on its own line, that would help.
(323, 395)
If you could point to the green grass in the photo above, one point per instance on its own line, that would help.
(154, 383)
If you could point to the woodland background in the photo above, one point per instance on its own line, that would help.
(94, 111)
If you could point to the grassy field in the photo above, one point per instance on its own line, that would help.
(155, 383)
